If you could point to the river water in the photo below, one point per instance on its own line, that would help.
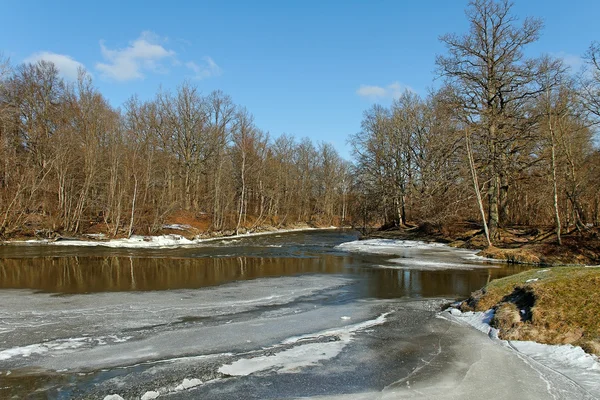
(277, 316)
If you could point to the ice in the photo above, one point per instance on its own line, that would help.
(436, 265)
(288, 360)
(387, 246)
(41, 348)
(188, 384)
(417, 254)
(150, 395)
(113, 397)
(343, 331)
(302, 355)
(570, 361)
(478, 320)
(139, 327)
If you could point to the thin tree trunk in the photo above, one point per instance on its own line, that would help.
(476, 187)
(132, 207)
(554, 183)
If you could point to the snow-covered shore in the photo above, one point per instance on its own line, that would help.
(151, 242)
(420, 255)
(568, 360)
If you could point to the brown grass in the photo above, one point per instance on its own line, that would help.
(558, 305)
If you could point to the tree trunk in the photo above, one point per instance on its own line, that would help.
(476, 187)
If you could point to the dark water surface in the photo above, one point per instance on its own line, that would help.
(72, 270)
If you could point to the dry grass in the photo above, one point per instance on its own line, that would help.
(561, 306)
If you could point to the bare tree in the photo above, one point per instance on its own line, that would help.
(493, 80)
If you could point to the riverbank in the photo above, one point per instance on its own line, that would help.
(519, 245)
(171, 236)
(558, 305)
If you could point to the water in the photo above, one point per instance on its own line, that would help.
(78, 322)
(69, 270)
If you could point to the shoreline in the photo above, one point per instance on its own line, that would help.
(516, 247)
(555, 305)
(167, 240)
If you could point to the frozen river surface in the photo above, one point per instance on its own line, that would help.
(294, 315)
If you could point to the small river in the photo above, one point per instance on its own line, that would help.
(276, 316)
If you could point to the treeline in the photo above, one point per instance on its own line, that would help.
(69, 160)
(506, 140)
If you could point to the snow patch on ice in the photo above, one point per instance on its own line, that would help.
(416, 254)
(343, 331)
(188, 384)
(387, 246)
(302, 355)
(113, 397)
(150, 395)
(478, 320)
(436, 265)
(290, 360)
(59, 345)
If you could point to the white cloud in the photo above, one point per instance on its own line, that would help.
(207, 69)
(67, 66)
(392, 91)
(571, 60)
(143, 54)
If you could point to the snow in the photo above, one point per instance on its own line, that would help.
(177, 227)
(436, 265)
(113, 397)
(343, 331)
(568, 360)
(188, 384)
(302, 355)
(417, 255)
(150, 395)
(152, 242)
(288, 360)
(387, 246)
(59, 346)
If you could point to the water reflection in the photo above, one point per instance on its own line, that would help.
(98, 274)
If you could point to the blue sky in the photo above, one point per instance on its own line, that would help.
(306, 68)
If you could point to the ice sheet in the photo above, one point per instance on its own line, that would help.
(387, 246)
(302, 355)
(570, 361)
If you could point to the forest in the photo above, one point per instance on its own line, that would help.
(506, 139)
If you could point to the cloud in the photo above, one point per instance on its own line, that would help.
(67, 66)
(143, 54)
(391, 91)
(573, 61)
(207, 69)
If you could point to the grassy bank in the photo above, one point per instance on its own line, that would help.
(558, 305)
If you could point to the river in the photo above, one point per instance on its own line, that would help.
(285, 315)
